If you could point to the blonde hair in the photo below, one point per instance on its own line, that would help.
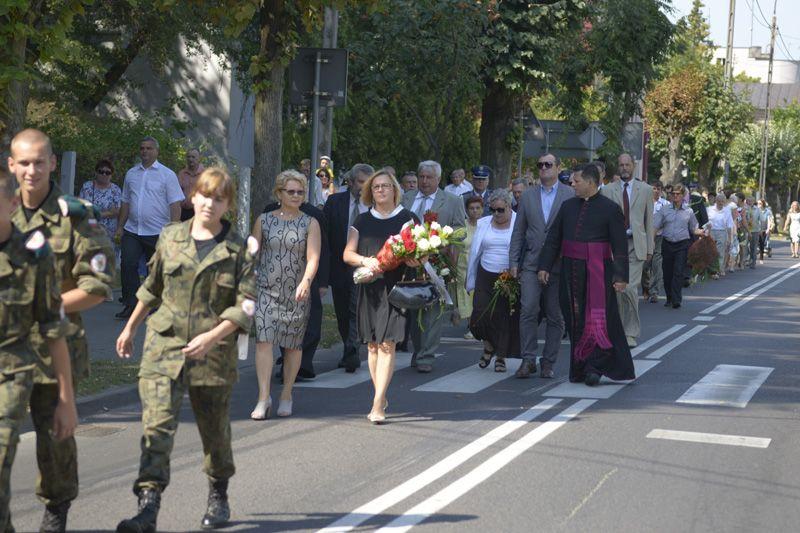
(285, 177)
(215, 181)
(366, 190)
(793, 205)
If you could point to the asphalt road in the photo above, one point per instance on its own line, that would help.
(476, 451)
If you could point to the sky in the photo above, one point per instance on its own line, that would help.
(716, 12)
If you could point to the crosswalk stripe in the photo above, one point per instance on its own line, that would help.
(709, 438)
(757, 293)
(674, 343)
(744, 291)
(655, 340)
(606, 389)
(339, 379)
(727, 386)
(471, 379)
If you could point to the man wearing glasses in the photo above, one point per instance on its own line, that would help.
(536, 210)
(480, 186)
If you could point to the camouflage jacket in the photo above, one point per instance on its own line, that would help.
(29, 299)
(84, 258)
(193, 297)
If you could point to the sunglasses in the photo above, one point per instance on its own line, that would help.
(294, 192)
(104, 172)
(544, 164)
(498, 210)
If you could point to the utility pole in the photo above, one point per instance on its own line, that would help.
(330, 33)
(729, 48)
(764, 139)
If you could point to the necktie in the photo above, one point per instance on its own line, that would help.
(353, 213)
(421, 207)
(626, 206)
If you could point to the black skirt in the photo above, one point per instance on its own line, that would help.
(378, 320)
(500, 327)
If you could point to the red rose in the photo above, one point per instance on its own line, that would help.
(433, 232)
(430, 216)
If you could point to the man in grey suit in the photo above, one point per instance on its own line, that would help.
(450, 211)
(635, 198)
(536, 210)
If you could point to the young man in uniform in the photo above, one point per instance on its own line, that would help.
(30, 299)
(84, 261)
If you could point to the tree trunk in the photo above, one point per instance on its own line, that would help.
(670, 174)
(14, 102)
(268, 84)
(499, 118)
(116, 70)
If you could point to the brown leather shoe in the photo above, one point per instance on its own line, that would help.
(526, 368)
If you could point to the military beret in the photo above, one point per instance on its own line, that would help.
(72, 206)
(481, 171)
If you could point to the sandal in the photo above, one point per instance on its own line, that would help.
(485, 359)
(500, 364)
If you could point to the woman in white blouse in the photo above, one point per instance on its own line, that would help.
(497, 326)
(722, 227)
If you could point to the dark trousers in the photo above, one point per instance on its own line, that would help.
(133, 247)
(313, 331)
(344, 304)
(673, 260)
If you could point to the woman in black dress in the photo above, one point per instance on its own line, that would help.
(380, 324)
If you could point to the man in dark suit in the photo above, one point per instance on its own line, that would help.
(480, 186)
(318, 289)
(341, 210)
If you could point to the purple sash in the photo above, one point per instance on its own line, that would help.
(595, 332)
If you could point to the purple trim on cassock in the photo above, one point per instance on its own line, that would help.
(595, 333)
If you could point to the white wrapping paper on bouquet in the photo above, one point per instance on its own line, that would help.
(438, 282)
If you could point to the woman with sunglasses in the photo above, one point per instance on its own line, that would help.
(288, 259)
(497, 325)
(105, 195)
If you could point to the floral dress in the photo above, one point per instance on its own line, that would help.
(104, 199)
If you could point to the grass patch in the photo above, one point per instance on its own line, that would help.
(108, 373)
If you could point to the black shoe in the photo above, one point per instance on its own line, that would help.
(424, 368)
(413, 363)
(125, 314)
(676, 306)
(306, 375)
(667, 303)
(120, 300)
(55, 518)
(145, 520)
(402, 347)
(218, 512)
(592, 379)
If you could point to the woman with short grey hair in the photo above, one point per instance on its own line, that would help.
(722, 228)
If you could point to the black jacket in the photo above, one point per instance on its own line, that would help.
(323, 271)
(337, 213)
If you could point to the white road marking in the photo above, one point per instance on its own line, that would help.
(488, 468)
(709, 438)
(727, 386)
(339, 379)
(606, 389)
(702, 318)
(478, 343)
(471, 379)
(674, 343)
(446, 465)
(589, 496)
(744, 291)
(759, 292)
(655, 340)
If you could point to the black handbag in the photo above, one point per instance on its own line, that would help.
(415, 294)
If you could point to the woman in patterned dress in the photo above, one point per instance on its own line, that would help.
(288, 259)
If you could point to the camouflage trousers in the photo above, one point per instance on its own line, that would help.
(161, 404)
(58, 459)
(15, 390)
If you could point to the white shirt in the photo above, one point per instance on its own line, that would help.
(720, 219)
(361, 207)
(548, 196)
(494, 249)
(149, 192)
(463, 188)
(428, 202)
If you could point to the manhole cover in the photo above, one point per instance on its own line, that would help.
(95, 430)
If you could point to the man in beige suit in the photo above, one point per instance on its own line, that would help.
(635, 199)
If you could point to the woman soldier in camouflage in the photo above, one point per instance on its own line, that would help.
(201, 280)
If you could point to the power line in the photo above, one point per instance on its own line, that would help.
(752, 9)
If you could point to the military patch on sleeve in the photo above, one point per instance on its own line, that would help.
(35, 241)
(252, 245)
(98, 263)
(249, 307)
(64, 206)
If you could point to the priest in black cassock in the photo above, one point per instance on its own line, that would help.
(589, 237)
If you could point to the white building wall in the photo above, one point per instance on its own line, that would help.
(755, 63)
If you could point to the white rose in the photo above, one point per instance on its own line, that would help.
(436, 241)
(435, 226)
(418, 231)
(447, 230)
(445, 272)
(423, 245)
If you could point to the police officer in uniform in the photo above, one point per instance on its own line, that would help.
(201, 279)
(480, 179)
(84, 262)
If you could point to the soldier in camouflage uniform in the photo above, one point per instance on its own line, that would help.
(29, 298)
(201, 280)
(84, 263)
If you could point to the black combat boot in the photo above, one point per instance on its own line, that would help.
(55, 518)
(145, 521)
(218, 512)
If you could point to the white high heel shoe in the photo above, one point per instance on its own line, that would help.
(284, 408)
(262, 410)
